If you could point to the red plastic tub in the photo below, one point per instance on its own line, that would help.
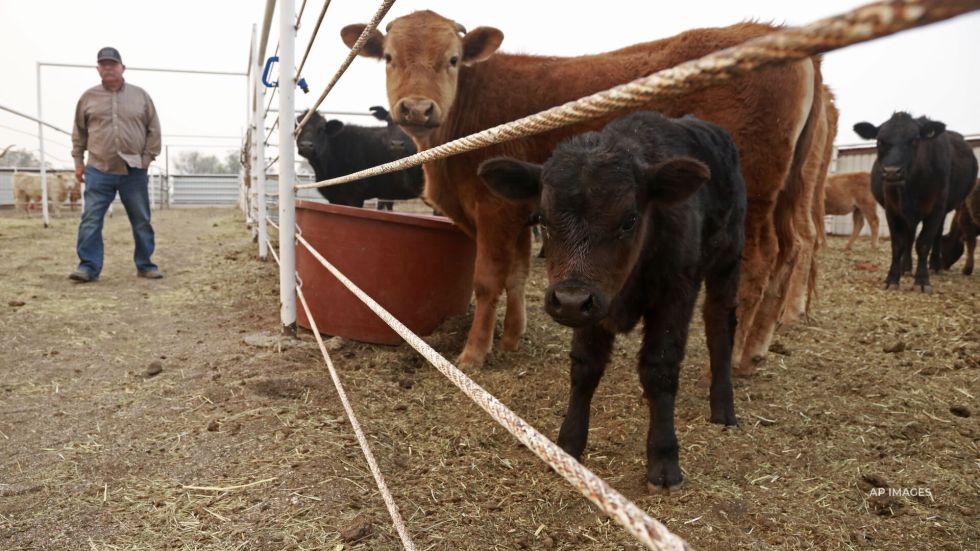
(418, 267)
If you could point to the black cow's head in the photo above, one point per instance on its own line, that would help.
(898, 141)
(591, 201)
(399, 142)
(314, 133)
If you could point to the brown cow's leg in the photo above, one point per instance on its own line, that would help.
(970, 236)
(515, 319)
(858, 220)
(872, 216)
(488, 282)
(758, 259)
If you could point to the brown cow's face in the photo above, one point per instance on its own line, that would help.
(424, 53)
(592, 205)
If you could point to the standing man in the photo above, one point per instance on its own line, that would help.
(118, 125)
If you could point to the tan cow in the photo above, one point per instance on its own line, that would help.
(444, 83)
(27, 190)
(850, 193)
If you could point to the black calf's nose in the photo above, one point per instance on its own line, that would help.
(571, 305)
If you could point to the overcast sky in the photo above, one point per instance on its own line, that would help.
(934, 71)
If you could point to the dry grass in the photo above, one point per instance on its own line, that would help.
(233, 446)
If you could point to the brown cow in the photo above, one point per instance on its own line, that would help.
(850, 193)
(444, 83)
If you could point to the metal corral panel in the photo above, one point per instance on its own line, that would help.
(860, 158)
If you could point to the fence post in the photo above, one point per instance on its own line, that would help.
(287, 169)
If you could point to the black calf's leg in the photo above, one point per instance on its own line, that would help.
(591, 347)
(665, 335)
(719, 323)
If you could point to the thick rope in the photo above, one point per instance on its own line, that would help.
(309, 46)
(651, 533)
(361, 439)
(382, 10)
(777, 48)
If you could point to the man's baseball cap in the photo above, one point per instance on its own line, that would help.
(109, 53)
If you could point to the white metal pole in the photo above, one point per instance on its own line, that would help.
(40, 139)
(258, 151)
(287, 176)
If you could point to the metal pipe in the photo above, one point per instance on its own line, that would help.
(40, 139)
(258, 170)
(152, 69)
(37, 120)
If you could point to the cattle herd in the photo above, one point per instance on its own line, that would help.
(727, 186)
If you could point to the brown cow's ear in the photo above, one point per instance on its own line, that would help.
(481, 43)
(673, 181)
(373, 47)
(512, 179)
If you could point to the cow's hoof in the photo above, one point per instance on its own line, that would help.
(664, 488)
(509, 344)
(891, 286)
(968, 271)
(724, 417)
(468, 361)
(927, 289)
(747, 369)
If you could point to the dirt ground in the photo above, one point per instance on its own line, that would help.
(133, 415)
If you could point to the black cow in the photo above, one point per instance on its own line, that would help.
(963, 231)
(922, 171)
(335, 149)
(636, 217)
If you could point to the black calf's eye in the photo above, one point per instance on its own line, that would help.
(628, 224)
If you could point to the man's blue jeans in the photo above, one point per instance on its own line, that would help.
(100, 191)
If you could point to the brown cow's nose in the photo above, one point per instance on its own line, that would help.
(572, 305)
(417, 111)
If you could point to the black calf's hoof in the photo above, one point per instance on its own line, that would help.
(664, 476)
(891, 286)
(726, 418)
(665, 490)
(927, 289)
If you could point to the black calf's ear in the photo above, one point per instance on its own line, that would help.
(333, 127)
(511, 179)
(673, 181)
(866, 130)
(930, 129)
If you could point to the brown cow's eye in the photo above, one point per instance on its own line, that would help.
(453, 61)
(387, 58)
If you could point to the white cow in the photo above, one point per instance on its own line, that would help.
(27, 190)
